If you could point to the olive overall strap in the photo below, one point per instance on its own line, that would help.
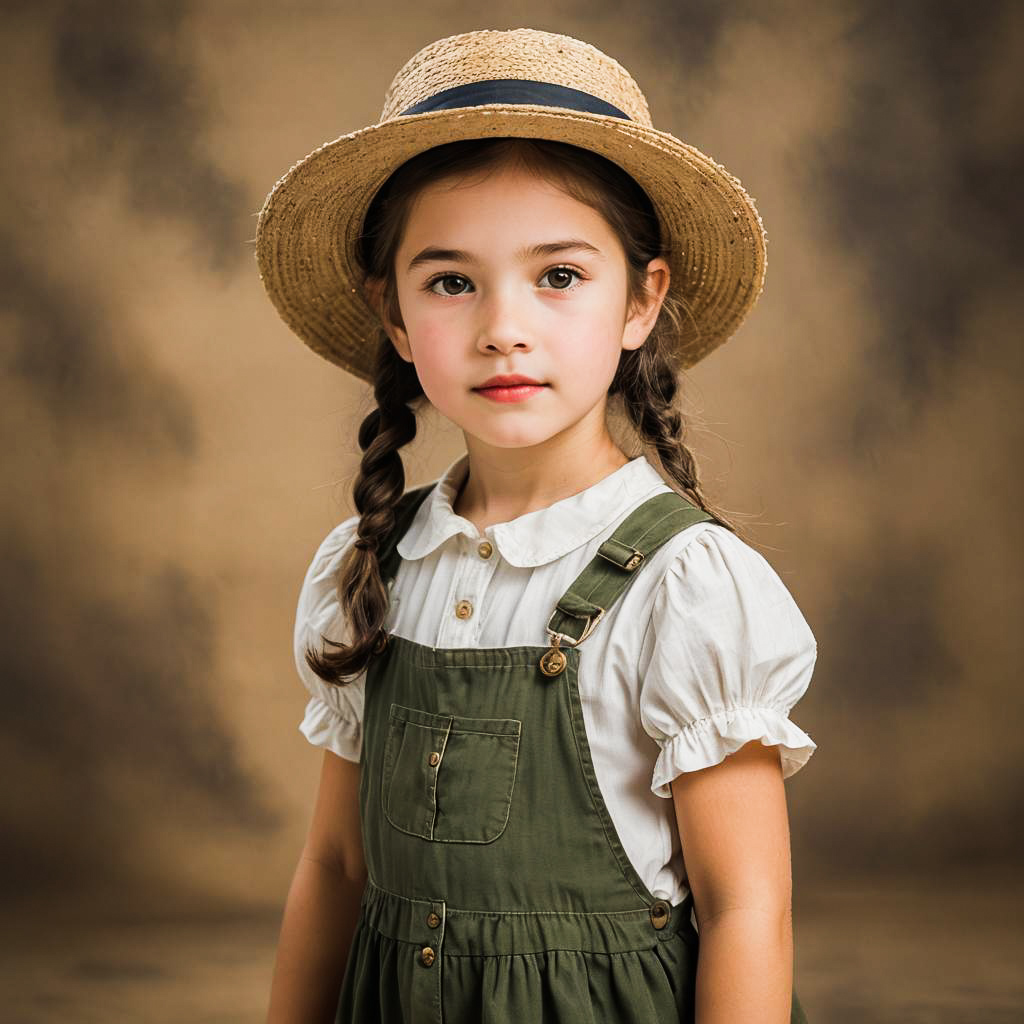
(405, 512)
(611, 570)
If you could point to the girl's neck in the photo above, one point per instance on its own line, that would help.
(498, 489)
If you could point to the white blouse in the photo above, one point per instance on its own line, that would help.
(704, 651)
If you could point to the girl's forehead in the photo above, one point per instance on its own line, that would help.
(512, 179)
(503, 198)
(511, 233)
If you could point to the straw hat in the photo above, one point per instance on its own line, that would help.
(519, 82)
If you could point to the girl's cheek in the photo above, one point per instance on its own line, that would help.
(433, 348)
(437, 364)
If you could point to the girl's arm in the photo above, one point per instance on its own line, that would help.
(734, 830)
(323, 903)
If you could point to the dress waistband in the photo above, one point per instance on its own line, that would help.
(458, 932)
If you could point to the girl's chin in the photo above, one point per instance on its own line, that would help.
(509, 440)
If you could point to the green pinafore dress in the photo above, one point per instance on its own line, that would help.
(498, 889)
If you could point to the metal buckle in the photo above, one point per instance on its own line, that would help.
(557, 639)
(630, 564)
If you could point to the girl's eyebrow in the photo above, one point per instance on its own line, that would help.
(435, 254)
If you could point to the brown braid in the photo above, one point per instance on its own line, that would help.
(646, 382)
(377, 488)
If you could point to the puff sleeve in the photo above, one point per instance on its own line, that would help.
(334, 714)
(726, 656)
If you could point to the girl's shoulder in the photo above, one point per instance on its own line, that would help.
(332, 549)
(707, 558)
(707, 548)
(711, 589)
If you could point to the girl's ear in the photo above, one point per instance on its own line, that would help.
(401, 342)
(641, 320)
(373, 291)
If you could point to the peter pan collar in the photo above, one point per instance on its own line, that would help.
(540, 536)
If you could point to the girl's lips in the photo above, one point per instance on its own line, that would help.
(511, 393)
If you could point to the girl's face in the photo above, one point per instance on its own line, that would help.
(510, 276)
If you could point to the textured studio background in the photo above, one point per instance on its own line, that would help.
(173, 456)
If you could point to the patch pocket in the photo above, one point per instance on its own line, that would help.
(449, 778)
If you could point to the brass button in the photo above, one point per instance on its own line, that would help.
(427, 956)
(435, 757)
(661, 910)
(553, 662)
(433, 920)
(463, 609)
(485, 550)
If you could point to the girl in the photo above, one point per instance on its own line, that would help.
(553, 686)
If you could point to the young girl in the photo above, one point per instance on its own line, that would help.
(553, 686)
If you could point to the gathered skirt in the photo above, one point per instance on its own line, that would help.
(387, 981)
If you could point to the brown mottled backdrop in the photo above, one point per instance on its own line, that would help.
(173, 456)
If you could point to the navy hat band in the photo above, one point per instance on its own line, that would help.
(515, 90)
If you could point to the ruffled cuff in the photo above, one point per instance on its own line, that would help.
(710, 740)
(324, 727)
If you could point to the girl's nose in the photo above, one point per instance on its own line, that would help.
(502, 326)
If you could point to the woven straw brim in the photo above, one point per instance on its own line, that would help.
(309, 226)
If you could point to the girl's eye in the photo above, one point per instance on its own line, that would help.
(446, 277)
(561, 277)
